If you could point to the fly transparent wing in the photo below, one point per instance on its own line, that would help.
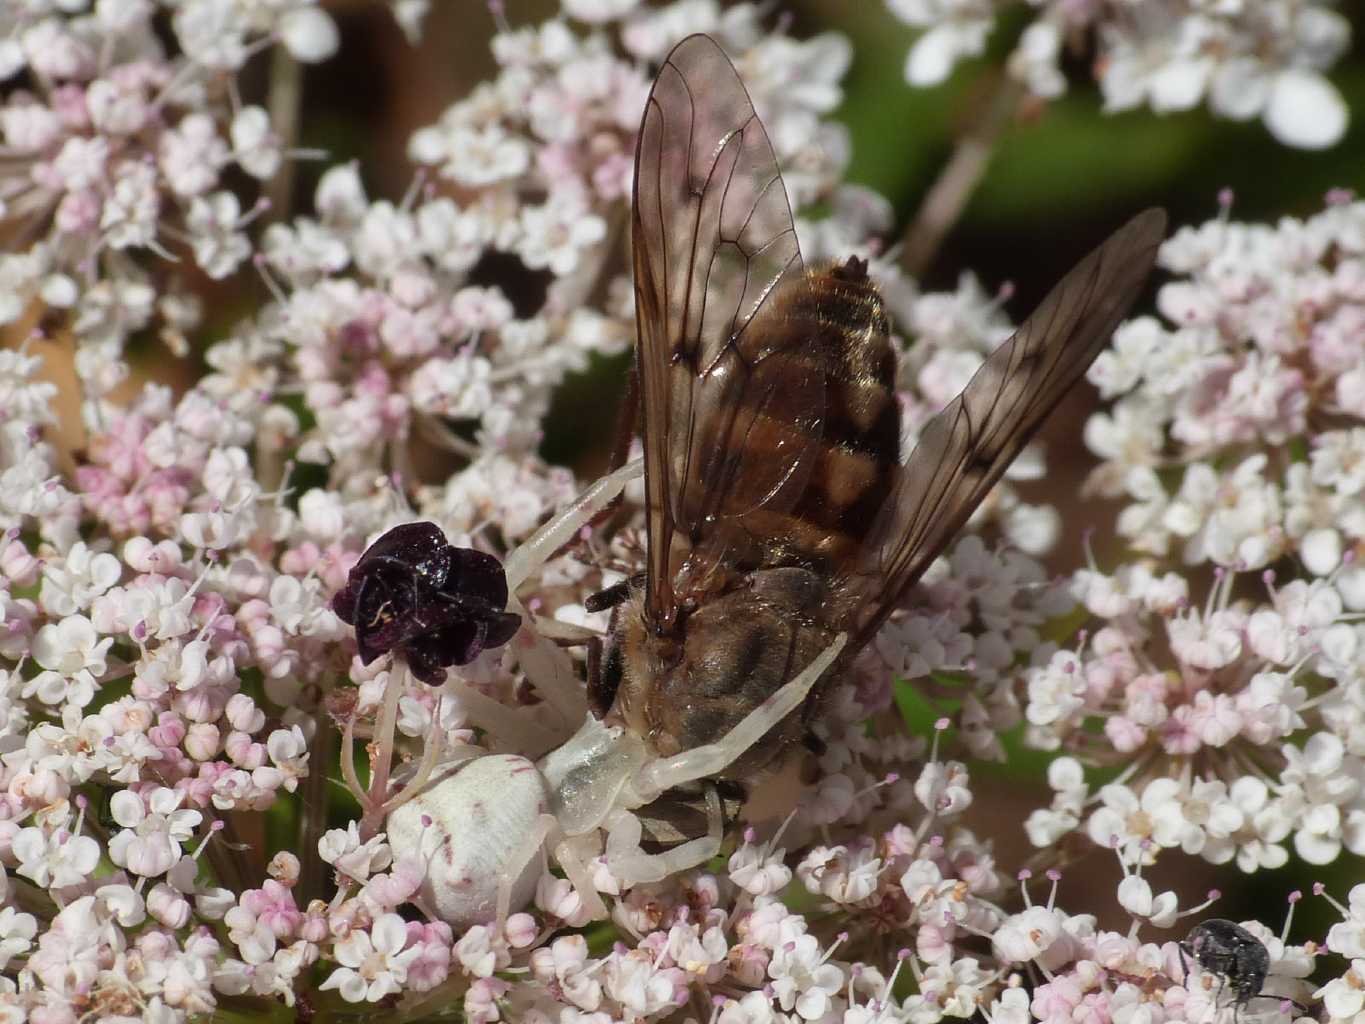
(965, 449)
(725, 429)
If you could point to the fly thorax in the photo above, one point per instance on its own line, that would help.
(590, 774)
(740, 650)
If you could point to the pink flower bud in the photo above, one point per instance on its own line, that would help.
(168, 906)
(17, 565)
(521, 930)
(243, 752)
(169, 730)
(242, 712)
(201, 741)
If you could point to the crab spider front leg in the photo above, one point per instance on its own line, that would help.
(510, 727)
(551, 671)
(713, 758)
(548, 666)
(540, 547)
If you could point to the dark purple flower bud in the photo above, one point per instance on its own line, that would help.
(414, 594)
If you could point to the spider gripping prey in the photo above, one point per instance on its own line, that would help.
(783, 524)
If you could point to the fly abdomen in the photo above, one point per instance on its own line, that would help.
(835, 325)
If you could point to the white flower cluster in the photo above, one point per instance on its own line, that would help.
(1237, 433)
(377, 323)
(977, 614)
(952, 334)
(127, 666)
(1246, 58)
(115, 157)
(1236, 717)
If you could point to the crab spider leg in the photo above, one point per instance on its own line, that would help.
(535, 845)
(698, 851)
(623, 835)
(550, 670)
(713, 758)
(631, 865)
(509, 725)
(579, 876)
(560, 530)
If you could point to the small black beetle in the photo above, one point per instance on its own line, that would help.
(1233, 953)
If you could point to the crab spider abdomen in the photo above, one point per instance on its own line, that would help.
(479, 821)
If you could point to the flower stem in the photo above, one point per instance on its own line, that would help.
(388, 718)
(229, 866)
(948, 197)
(286, 97)
(313, 820)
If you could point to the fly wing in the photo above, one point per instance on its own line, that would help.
(725, 430)
(965, 449)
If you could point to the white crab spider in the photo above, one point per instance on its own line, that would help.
(484, 824)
